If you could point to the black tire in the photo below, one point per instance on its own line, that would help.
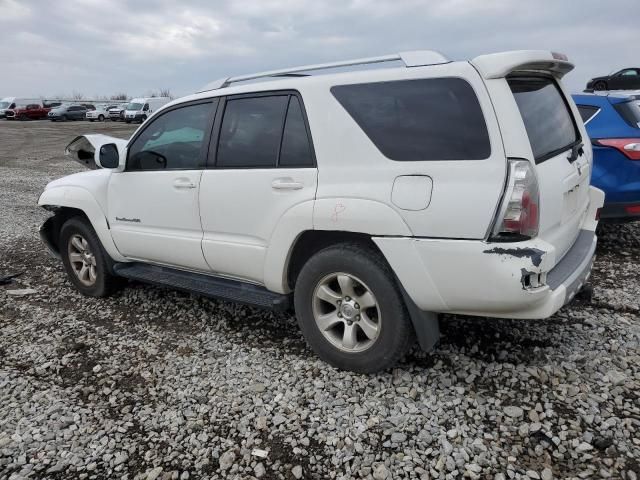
(91, 119)
(128, 121)
(105, 282)
(101, 118)
(395, 330)
(143, 119)
(65, 118)
(601, 86)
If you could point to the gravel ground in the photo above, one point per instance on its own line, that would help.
(154, 384)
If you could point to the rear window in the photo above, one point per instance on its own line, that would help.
(414, 120)
(546, 115)
(630, 112)
(587, 112)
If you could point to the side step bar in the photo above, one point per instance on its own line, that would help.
(206, 285)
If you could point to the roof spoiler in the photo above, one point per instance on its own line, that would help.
(499, 65)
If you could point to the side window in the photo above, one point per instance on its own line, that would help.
(296, 147)
(146, 107)
(251, 132)
(418, 120)
(587, 112)
(629, 72)
(172, 141)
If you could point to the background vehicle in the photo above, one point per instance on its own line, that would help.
(371, 200)
(67, 111)
(32, 111)
(100, 112)
(9, 103)
(613, 124)
(139, 109)
(116, 113)
(625, 79)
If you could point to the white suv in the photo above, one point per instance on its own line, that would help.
(370, 200)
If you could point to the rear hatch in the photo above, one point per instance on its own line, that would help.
(561, 153)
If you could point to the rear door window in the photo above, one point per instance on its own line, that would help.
(416, 120)
(546, 115)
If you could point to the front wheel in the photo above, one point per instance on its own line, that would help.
(350, 310)
(101, 118)
(84, 259)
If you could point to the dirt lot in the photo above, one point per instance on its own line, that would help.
(158, 384)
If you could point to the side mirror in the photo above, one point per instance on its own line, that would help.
(109, 157)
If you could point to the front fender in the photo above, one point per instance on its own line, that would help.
(81, 199)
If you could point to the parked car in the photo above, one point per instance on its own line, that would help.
(117, 113)
(9, 103)
(613, 124)
(32, 111)
(67, 111)
(88, 106)
(445, 186)
(625, 79)
(139, 109)
(100, 112)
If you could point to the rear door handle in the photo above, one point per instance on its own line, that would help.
(286, 184)
(183, 184)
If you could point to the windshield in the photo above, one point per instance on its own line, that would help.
(4, 104)
(546, 115)
(134, 106)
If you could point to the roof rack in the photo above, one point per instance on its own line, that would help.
(416, 58)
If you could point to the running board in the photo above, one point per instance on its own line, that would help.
(206, 285)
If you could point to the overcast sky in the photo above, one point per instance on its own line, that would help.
(100, 47)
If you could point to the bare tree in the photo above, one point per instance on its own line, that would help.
(166, 92)
(119, 96)
(77, 95)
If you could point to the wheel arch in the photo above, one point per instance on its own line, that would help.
(66, 202)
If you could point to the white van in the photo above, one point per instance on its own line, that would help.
(139, 109)
(9, 103)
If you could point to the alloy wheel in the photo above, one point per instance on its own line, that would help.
(82, 260)
(346, 312)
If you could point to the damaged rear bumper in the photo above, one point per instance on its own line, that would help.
(509, 280)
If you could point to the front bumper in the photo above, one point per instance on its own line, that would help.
(138, 117)
(508, 280)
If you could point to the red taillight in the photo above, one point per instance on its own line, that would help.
(519, 213)
(633, 209)
(630, 147)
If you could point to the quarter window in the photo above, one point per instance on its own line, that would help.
(425, 119)
(587, 112)
(172, 141)
(296, 148)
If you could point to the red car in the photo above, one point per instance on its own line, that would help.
(28, 112)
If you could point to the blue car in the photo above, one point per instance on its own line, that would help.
(613, 124)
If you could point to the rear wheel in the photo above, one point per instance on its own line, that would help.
(350, 309)
(600, 86)
(84, 259)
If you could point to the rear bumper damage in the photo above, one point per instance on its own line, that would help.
(509, 280)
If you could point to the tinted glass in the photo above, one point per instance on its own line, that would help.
(251, 132)
(546, 115)
(630, 112)
(296, 148)
(587, 112)
(428, 119)
(172, 141)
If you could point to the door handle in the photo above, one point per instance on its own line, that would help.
(183, 183)
(286, 184)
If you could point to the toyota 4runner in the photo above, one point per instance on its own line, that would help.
(370, 200)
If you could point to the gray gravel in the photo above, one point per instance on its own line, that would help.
(156, 384)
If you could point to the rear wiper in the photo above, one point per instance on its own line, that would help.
(576, 151)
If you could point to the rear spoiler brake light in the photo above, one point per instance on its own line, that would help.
(499, 65)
